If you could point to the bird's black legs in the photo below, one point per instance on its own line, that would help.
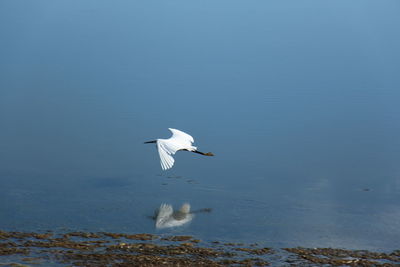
(199, 152)
(149, 142)
(204, 154)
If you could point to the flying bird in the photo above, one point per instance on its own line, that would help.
(168, 147)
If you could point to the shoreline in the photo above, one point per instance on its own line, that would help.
(120, 249)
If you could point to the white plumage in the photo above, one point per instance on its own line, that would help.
(168, 147)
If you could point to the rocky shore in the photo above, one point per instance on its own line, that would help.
(120, 249)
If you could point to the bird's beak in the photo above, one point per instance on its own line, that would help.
(149, 142)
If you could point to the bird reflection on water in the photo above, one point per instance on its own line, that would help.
(166, 217)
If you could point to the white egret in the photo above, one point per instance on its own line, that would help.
(168, 147)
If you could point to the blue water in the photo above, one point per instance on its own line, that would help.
(298, 100)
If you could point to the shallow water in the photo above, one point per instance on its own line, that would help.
(297, 100)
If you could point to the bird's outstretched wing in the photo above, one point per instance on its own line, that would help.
(164, 214)
(183, 137)
(166, 160)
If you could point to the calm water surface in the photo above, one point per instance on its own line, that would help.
(298, 100)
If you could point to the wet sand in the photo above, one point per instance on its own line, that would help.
(119, 249)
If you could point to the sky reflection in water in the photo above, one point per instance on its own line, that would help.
(298, 101)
